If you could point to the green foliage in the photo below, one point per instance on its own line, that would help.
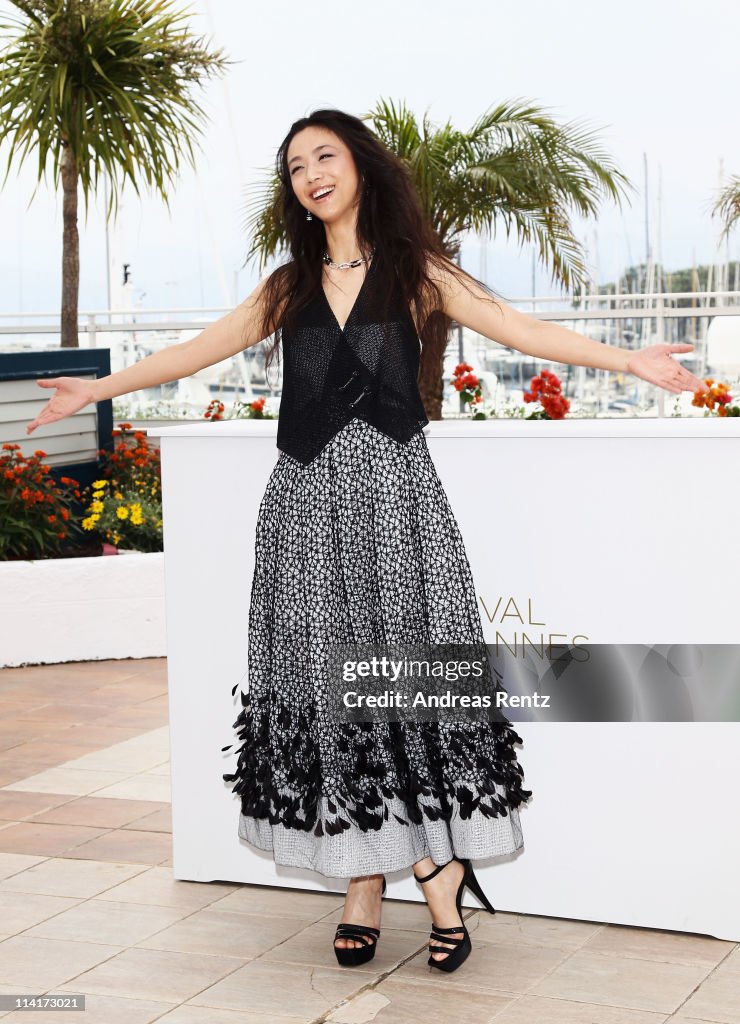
(515, 166)
(34, 511)
(124, 506)
(685, 279)
(110, 79)
(727, 206)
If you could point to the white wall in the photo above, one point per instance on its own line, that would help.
(621, 531)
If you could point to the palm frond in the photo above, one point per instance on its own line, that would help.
(727, 206)
(112, 81)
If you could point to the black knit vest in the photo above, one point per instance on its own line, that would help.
(331, 375)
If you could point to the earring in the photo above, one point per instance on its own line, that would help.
(309, 215)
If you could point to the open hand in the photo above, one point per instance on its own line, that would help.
(655, 365)
(71, 394)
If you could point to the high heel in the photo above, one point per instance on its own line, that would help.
(353, 956)
(461, 943)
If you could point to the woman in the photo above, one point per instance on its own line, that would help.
(356, 541)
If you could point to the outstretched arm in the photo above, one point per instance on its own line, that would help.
(237, 330)
(547, 340)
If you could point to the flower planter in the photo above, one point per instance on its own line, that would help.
(82, 609)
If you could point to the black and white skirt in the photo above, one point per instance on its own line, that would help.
(361, 545)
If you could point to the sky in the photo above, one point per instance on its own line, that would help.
(655, 80)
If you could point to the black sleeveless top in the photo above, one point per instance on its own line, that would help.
(332, 375)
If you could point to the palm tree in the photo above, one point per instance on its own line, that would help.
(515, 166)
(727, 206)
(100, 85)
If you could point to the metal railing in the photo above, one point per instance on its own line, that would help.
(628, 320)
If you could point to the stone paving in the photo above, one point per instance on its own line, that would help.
(88, 903)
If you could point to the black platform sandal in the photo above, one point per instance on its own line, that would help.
(462, 943)
(353, 956)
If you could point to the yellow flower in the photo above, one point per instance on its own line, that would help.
(98, 494)
(118, 495)
(137, 518)
(122, 512)
(116, 538)
(97, 506)
(97, 484)
(87, 524)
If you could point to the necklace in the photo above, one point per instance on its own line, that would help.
(343, 266)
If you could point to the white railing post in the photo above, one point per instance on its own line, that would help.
(92, 331)
(660, 335)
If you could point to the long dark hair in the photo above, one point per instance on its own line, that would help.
(390, 219)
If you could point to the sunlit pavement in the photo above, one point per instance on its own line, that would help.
(88, 903)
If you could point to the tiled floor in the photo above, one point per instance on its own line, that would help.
(88, 904)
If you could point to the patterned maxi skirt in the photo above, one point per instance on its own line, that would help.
(359, 544)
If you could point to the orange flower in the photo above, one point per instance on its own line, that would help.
(52, 518)
(716, 395)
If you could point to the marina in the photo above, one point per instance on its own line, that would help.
(709, 320)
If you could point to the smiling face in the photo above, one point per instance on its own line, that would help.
(323, 173)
